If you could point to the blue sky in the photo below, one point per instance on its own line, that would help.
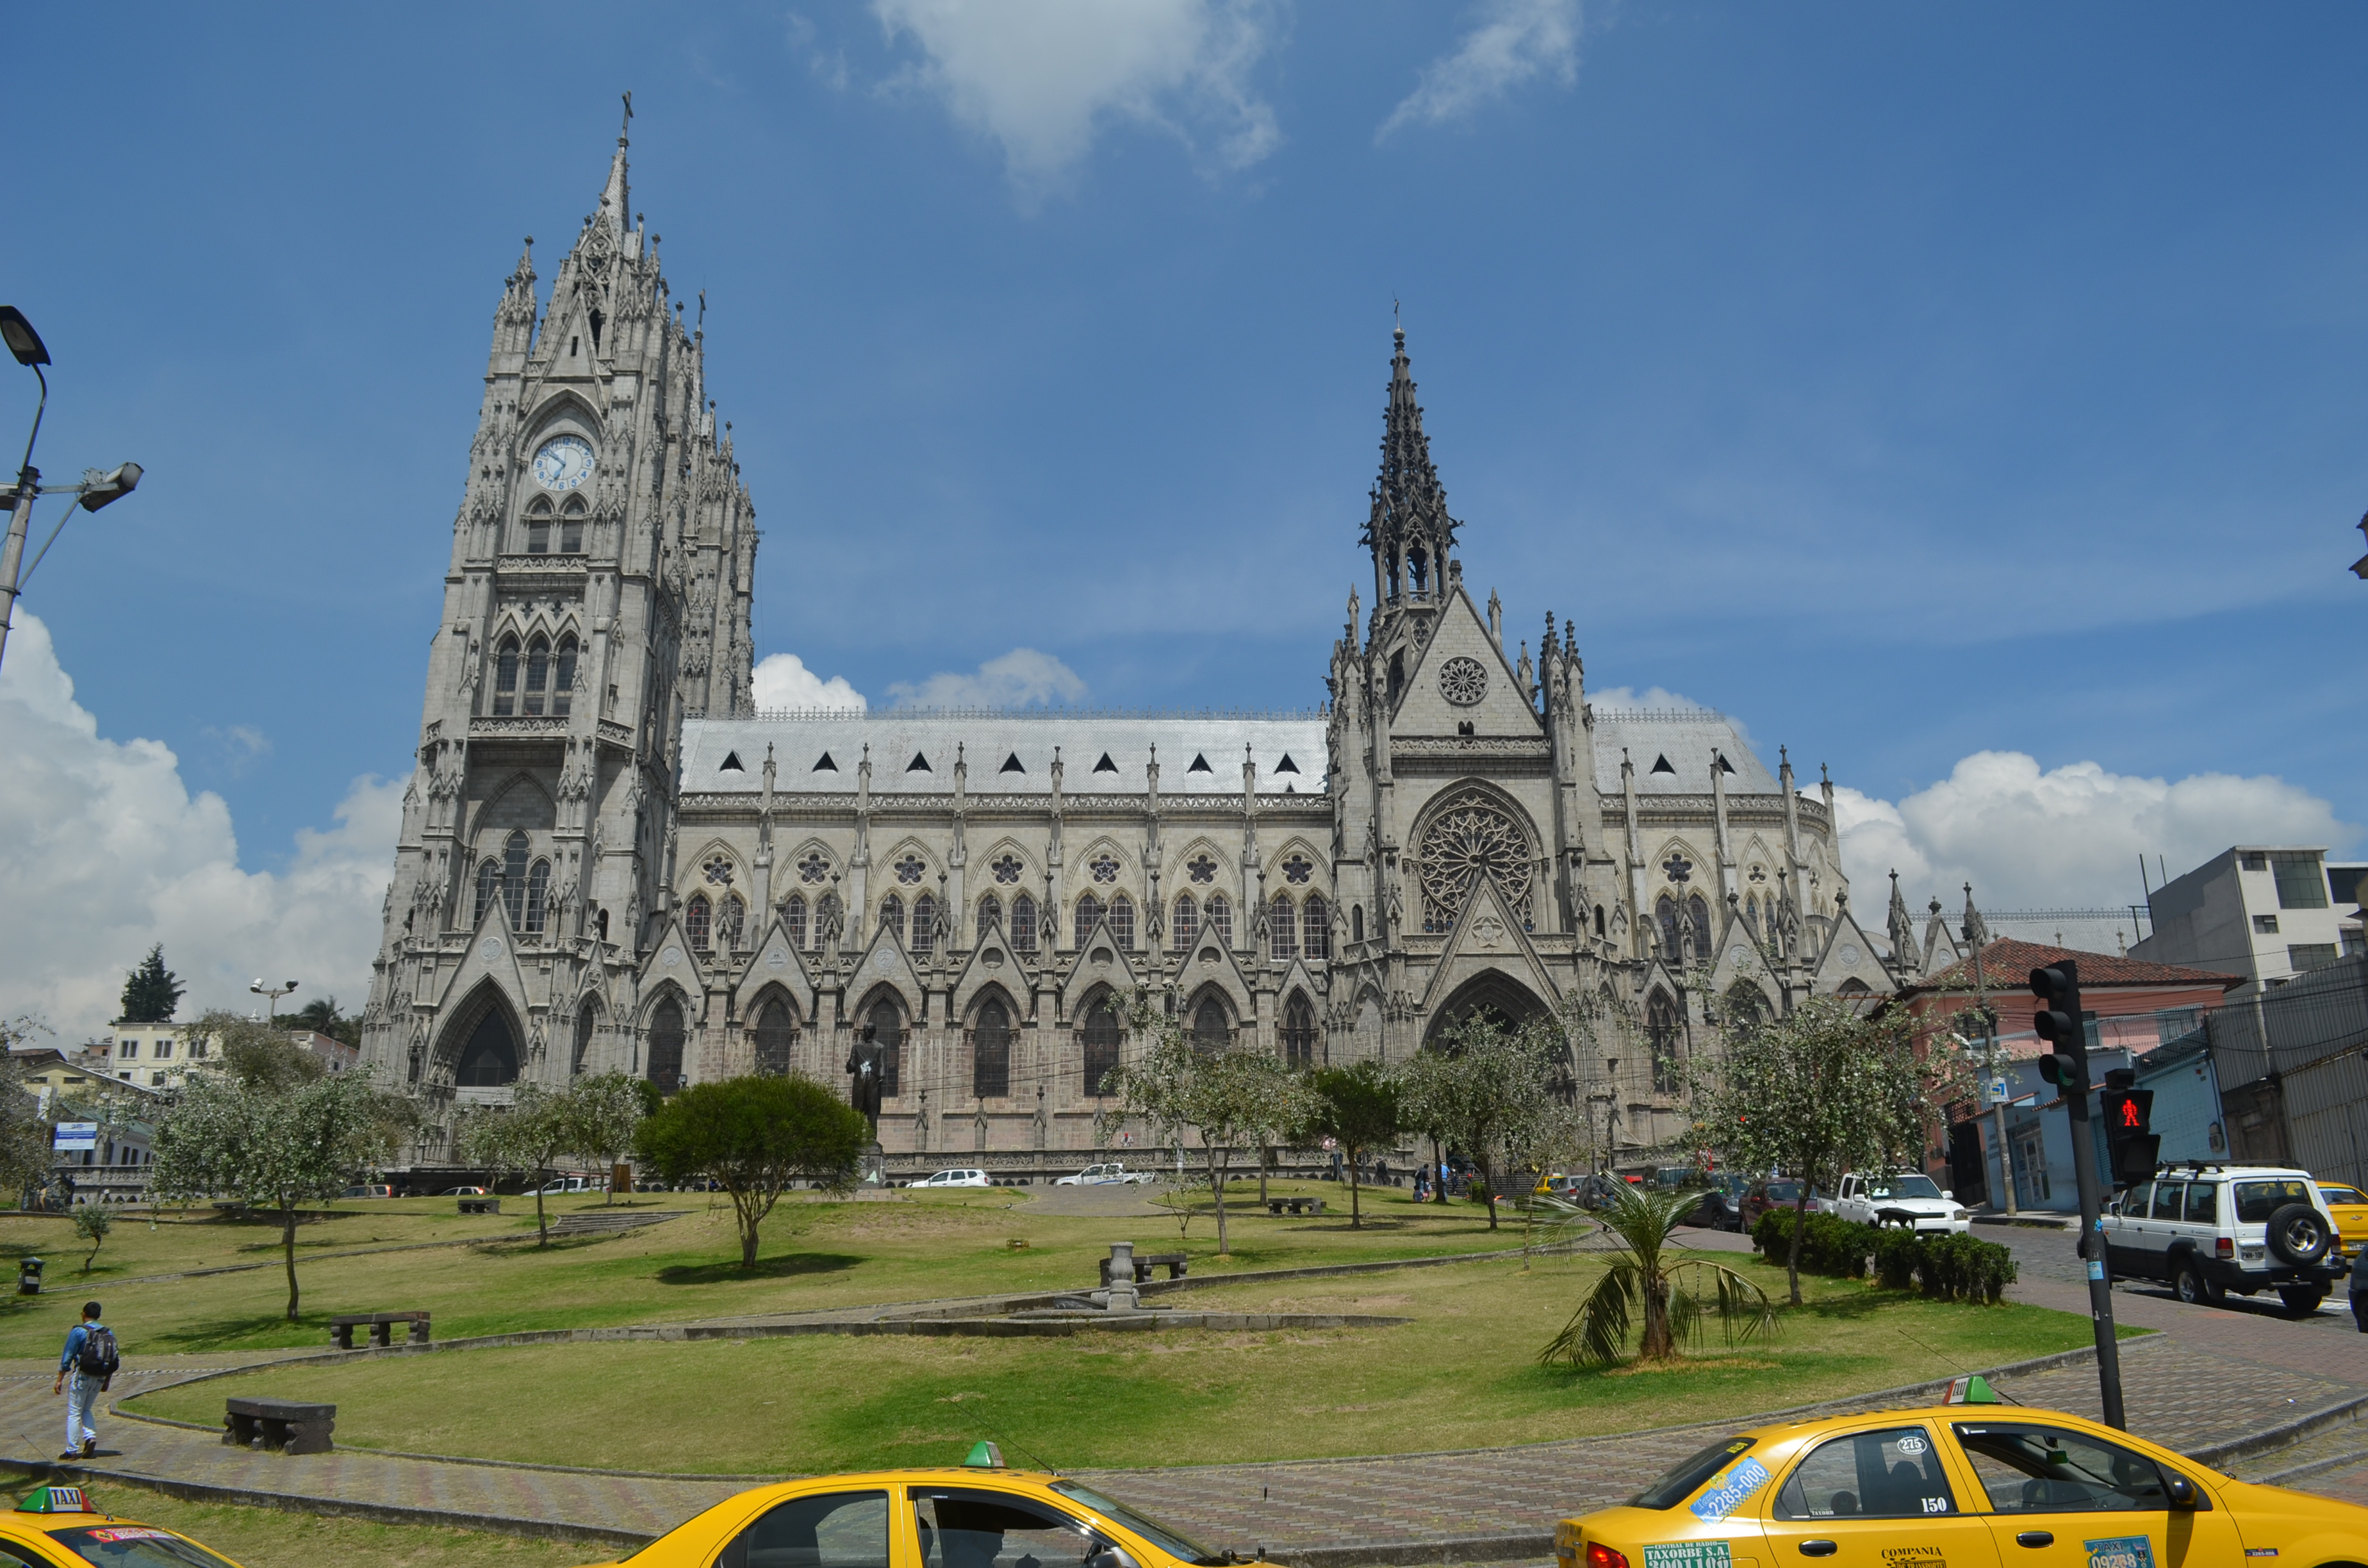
(1915, 383)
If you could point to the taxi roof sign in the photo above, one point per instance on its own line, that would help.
(985, 1455)
(54, 1500)
(1973, 1390)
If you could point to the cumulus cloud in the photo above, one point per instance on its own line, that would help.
(104, 850)
(783, 681)
(1043, 78)
(1017, 679)
(1516, 41)
(1654, 698)
(2065, 838)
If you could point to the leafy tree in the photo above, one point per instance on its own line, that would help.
(753, 1137)
(256, 1054)
(1813, 1094)
(523, 1138)
(150, 992)
(321, 1016)
(1643, 1281)
(1231, 1098)
(608, 1109)
(25, 1157)
(1488, 1091)
(1358, 1107)
(91, 1224)
(274, 1144)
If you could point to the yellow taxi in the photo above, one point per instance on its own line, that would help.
(60, 1526)
(2350, 1207)
(1957, 1485)
(976, 1514)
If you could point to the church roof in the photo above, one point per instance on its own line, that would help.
(1687, 739)
(1008, 753)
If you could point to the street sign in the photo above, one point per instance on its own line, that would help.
(75, 1135)
(1998, 1092)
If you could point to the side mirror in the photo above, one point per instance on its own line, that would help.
(1949, 1192)
(1119, 1557)
(2181, 1490)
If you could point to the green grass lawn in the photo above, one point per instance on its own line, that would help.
(265, 1538)
(1461, 1374)
(815, 1253)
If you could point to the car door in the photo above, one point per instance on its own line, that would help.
(2062, 1498)
(975, 1527)
(821, 1530)
(2125, 1231)
(2166, 1222)
(1879, 1497)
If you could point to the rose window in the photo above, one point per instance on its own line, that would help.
(909, 870)
(1104, 868)
(1471, 839)
(814, 867)
(719, 871)
(1007, 870)
(1462, 681)
(1296, 870)
(1200, 869)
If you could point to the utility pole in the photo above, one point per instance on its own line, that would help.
(2061, 1021)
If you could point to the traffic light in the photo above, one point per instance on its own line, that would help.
(2129, 1120)
(2058, 1023)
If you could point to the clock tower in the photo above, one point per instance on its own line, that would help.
(597, 596)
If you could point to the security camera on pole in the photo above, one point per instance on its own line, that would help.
(2060, 1022)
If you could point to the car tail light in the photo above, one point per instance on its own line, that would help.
(1602, 1556)
(2224, 1249)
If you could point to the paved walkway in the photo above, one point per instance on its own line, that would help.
(2209, 1378)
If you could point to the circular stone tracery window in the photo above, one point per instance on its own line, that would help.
(1470, 839)
(1462, 681)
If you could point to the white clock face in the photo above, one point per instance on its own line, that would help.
(563, 463)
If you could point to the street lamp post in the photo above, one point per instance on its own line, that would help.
(95, 490)
(274, 993)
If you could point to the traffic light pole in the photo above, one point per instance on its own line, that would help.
(2060, 1022)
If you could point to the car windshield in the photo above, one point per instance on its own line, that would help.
(136, 1546)
(2341, 1194)
(1783, 1192)
(1683, 1482)
(1171, 1541)
(1903, 1187)
(2256, 1200)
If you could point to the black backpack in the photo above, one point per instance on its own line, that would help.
(96, 1358)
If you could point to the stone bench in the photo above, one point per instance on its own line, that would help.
(279, 1426)
(381, 1326)
(1295, 1205)
(481, 1205)
(1175, 1263)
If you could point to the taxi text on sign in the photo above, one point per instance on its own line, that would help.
(1690, 1554)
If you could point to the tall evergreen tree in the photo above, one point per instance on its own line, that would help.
(150, 992)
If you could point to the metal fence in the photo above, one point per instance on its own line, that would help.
(2292, 1067)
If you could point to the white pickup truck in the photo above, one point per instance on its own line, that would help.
(1908, 1198)
(1111, 1174)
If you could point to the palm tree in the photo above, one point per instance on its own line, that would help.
(1643, 1280)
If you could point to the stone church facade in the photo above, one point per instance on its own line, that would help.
(610, 860)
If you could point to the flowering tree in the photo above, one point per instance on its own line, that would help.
(1358, 1105)
(1490, 1092)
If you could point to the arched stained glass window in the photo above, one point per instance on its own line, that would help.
(1089, 915)
(777, 1037)
(990, 914)
(892, 917)
(586, 1016)
(489, 884)
(665, 1046)
(1281, 929)
(1356, 923)
(1663, 1032)
(1317, 937)
(514, 852)
(1666, 914)
(1210, 1030)
(506, 674)
(1102, 1039)
(1121, 922)
(538, 673)
(538, 530)
(571, 529)
(699, 921)
(925, 926)
(538, 891)
(1185, 928)
(563, 676)
(990, 1045)
(490, 1059)
(794, 920)
(1706, 936)
(1221, 918)
(1298, 1032)
(887, 1022)
(1023, 924)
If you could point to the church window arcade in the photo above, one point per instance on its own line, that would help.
(990, 1048)
(1023, 925)
(1315, 928)
(1184, 927)
(925, 926)
(1211, 1030)
(892, 918)
(990, 913)
(665, 1046)
(537, 894)
(698, 922)
(1121, 922)
(1298, 1032)
(1281, 929)
(1220, 915)
(777, 1037)
(1090, 913)
(1102, 1035)
(1663, 1029)
(794, 920)
(514, 857)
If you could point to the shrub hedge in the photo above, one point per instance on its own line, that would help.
(1946, 1267)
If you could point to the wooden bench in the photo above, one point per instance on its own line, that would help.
(381, 1326)
(1175, 1263)
(279, 1426)
(1295, 1205)
(481, 1205)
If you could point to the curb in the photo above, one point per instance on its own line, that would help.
(2285, 1434)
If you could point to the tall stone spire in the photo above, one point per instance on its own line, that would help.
(1409, 531)
(616, 204)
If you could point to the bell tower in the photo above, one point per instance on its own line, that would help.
(598, 595)
(1408, 531)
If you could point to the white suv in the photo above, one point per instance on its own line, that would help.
(2206, 1230)
(1111, 1174)
(952, 1178)
(1908, 1198)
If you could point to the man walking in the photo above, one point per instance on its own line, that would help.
(85, 1368)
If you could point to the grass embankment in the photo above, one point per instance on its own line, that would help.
(1462, 1374)
(815, 1253)
(265, 1538)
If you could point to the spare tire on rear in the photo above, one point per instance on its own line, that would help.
(2298, 1234)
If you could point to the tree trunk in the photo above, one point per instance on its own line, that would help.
(749, 1220)
(1356, 1216)
(1488, 1175)
(288, 1245)
(1800, 1224)
(541, 1230)
(1265, 1158)
(1218, 1190)
(1656, 1344)
(1437, 1173)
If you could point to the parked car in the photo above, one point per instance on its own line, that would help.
(1769, 1192)
(368, 1189)
(1721, 1208)
(2208, 1229)
(1114, 1174)
(462, 1192)
(1909, 1199)
(2350, 1207)
(952, 1178)
(570, 1183)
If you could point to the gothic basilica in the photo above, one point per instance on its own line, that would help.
(610, 861)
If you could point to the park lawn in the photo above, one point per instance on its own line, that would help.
(1461, 1374)
(266, 1538)
(815, 1253)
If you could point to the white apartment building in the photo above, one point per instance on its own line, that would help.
(2267, 912)
(154, 1056)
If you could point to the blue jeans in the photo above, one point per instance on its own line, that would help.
(82, 1393)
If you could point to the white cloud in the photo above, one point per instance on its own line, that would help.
(2066, 838)
(1015, 679)
(1654, 698)
(1042, 77)
(1516, 41)
(783, 681)
(104, 850)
